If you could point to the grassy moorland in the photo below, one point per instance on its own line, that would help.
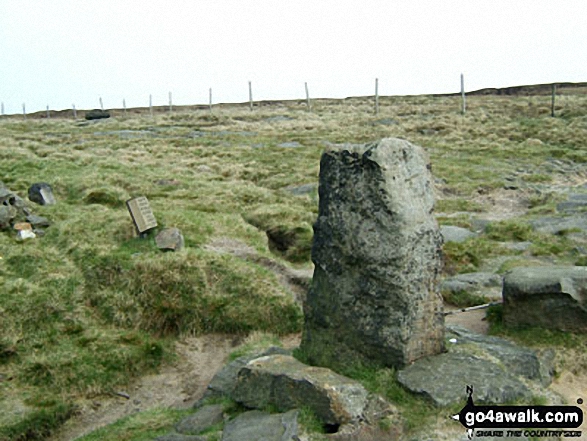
(89, 306)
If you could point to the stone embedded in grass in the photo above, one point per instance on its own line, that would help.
(97, 114)
(22, 226)
(286, 383)
(25, 234)
(451, 233)
(169, 239)
(204, 418)
(38, 221)
(548, 297)
(41, 193)
(257, 425)
(377, 254)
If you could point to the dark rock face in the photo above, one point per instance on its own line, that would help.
(41, 193)
(549, 297)
(97, 114)
(256, 425)
(376, 251)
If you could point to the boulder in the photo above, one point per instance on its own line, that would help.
(169, 239)
(444, 378)
(487, 284)
(38, 221)
(6, 216)
(377, 254)
(204, 418)
(518, 360)
(41, 193)
(451, 233)
(97, 114)
(285, 383)
(549, 297)
(262, 426)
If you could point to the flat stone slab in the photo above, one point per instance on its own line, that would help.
(550, 297)
(474, 282)
(262, 426)
(286, 383)
(516, 359)
(443, 379)
(557, 225)
(451, 233)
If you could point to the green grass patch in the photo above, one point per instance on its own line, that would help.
(38, 424)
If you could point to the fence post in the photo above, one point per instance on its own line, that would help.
(74, 111)
(124, 106)
(308, 98)
(101, 104)
(250, 96)
(151, 105)
(376, 96)
(210, 102)
(2, 109)
(48, 113)
(464, 100)
(23, 111)
(170, 103)
(553, 100)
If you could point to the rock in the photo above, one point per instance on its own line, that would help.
(204, 418)
(289, 145)
(167, 182)
(224, 382)
(204, 169)
(25, 234)
(365, 432)
(286, 383)
(377, 257)
(180, 437)
(38, 221)
(97, 114)
(22, 226)
(169, 239)
(41, 193)
(262, 426)
(516, 359)
(549, 297)
(6, 216)
(301, 190)
(444, 378)
(385, 122)
(558, 225)
(576, 203)
(451, 233)
(487, 284)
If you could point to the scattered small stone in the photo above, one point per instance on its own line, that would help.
(290, 145)
(302, 190)
(22, 226)
(169, 239)
(204, 169)
(25, 234)
(122, 394)
(39, 232)
(38, 221)
(41, 193)
(167, 182)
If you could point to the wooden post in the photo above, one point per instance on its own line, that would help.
(464, 100)
(74, 111)
(250, 96)
(124, 106)
(170, 103)
(151, 105)
(48, 113)
(23, 111)
(210, 102)
(2, 109)
(308, 98)
(101, 104)
(553, 100)
(376, 96)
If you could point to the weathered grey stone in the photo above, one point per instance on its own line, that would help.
(374, 296)
(6, 216)
(515, 359)
(261, 426)
(292, 144)
(450, 233)
(286, 383)
(576, 202)
(301, 190)
(97, 114)
(169, 239)
(41, 193)
(471, 282)
(558, 225)
(204, 418)
(224, 382)
(38, 221)
(549, 297)
(180, 437)
(444, 378)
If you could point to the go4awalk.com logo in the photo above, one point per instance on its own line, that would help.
(528, 421)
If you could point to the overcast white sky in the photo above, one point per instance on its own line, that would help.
(60, 52)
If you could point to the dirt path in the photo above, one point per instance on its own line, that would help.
(178, 385)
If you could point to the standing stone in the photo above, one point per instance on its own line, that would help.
(377, 255)
(41, 193)
(169, 239)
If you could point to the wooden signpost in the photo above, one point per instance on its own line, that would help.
(141, 214)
